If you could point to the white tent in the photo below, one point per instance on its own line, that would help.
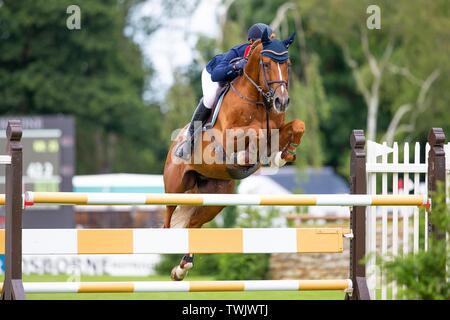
(119, 182)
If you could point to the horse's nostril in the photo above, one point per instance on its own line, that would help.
(277, 103)
(287, 101)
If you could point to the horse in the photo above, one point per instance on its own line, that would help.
(253, 110)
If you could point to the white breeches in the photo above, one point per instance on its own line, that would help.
(209, 89)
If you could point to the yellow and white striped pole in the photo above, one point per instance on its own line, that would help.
(180, 240)
(74, 198)
(187, 286)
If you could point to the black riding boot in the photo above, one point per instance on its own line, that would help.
(201, 113)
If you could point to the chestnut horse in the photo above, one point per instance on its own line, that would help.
(254, 107)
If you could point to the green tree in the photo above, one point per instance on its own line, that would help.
(396, 72)
(320, 91)
(96, 74)
(396, 69)
(180, 102)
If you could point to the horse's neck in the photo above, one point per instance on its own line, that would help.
(252, 70)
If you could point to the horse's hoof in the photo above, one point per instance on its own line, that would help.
(178, 273)
(174, 275)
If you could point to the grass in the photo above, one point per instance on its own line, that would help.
(255, 295)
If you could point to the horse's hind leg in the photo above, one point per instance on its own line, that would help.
(178, 216)
(173, 184)
(180, 219)
(197, 217)
(205, 214)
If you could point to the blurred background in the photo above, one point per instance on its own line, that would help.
(99, 102)
(131, 74)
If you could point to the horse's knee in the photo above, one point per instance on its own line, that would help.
(298, 126)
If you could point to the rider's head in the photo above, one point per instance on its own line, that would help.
(255, 31)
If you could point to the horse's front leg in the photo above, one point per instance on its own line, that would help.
(290, 136)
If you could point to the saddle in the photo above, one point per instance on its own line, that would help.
(223, 89)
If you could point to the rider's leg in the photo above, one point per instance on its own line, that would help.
(201, 114)
(199, 117)
(209, 89)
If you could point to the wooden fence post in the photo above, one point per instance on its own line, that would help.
(436, 173)
(13, 286)
(436, 168)
(358, 218)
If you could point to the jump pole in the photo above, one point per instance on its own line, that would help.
(74, 198)
(188, 286)
(182, 240)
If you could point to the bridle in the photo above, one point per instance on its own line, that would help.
(268, 96)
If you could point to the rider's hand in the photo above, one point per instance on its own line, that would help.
(239, 65)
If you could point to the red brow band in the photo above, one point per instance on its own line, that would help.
(247, 51)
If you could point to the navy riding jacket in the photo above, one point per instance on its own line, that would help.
(220, 67)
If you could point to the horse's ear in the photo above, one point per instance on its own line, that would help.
(289, 40)
(265, 37)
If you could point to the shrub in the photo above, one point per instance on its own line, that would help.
(423, 275)
(243, 266)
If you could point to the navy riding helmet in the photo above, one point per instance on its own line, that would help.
(255, 31)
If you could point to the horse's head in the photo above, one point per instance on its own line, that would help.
(274, 67)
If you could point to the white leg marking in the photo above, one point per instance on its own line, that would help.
(281, 77)
(278, 161)
(181, 216)
(182, 272)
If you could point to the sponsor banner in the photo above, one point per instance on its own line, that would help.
(93, 265)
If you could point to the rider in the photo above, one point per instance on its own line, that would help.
(223, 67)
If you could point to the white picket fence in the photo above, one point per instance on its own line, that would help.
(386, 238)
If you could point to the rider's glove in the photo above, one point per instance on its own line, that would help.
(239, 65)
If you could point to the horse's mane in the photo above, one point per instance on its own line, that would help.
(253, 47)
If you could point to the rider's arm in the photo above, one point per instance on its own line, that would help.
(224, 70)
